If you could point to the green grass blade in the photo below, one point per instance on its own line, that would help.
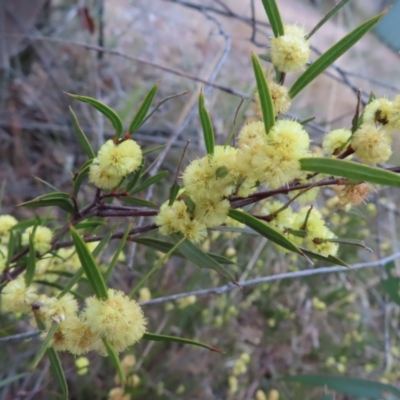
(274, 17)
(44, 346)
(79, 177)
(135, 177)
(109, 113)
(203, 260)
(327, 17)
(267, 106)
(166, 338)
(350, 170)
(352, 386)
(331, 55)
(264, 230)
(89, 265)
(83, 140)
(208, 130)
(140, 116)
(58, 372)
(115, 361)
(31, 264)
(11, 379)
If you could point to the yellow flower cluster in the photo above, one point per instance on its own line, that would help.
(272, 159)
(335, 140)
(280, 98)
(291, 51)
(118, 318)
(372, 141)
(41, 240)
(113, 162)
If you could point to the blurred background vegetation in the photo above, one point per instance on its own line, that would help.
(339, 324)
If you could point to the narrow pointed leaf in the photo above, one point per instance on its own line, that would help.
(352, 386)
(115, 361)
(135, 177)
(109, 113)
(173, 193)
(166, 338)
(165, 247)
(330, 259)
(95, 253)
(264, 230)
(31, 264)
(331, 55)
(10, 247)
(58, 372)
(78, 178)
(136, 201)
(83, 140)
(89, 265)
(44, 346)
(143, 109)
(267, 106)
(153, 150)
(58, 199)
(350, 170)
(274, 17)
(327, 17)
(203, 260)
(151, 181)
(120, 247)
(11, 379)
(208, 130)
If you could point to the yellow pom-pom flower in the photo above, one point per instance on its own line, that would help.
(16, 297)
(378, 112)
(353, 194)
(334, 141)
(41, 240)
(291, 51)
(117, 318)
(176, 218)
(120, 159)
(252, 134)
(77, 336)
(394, 116)
(372, 143)
(6, 223)
(211, 210)
(280, 98)
(102, 177)
(59, 309)
(289, 139)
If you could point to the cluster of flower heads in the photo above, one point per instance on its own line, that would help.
(372, 141)
(113, 162)
(118, 318)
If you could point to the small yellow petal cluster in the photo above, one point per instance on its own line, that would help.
(335, 140)
(17, 297)
(113, 162)
(280, 98)
(394, 116)
(316, 232)
(372, 143)
(273, 159)
(240, 366)
(378, 111)
(6, 223)
(41, 240)
(291, 51)
(117, 318)
(176, 219)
